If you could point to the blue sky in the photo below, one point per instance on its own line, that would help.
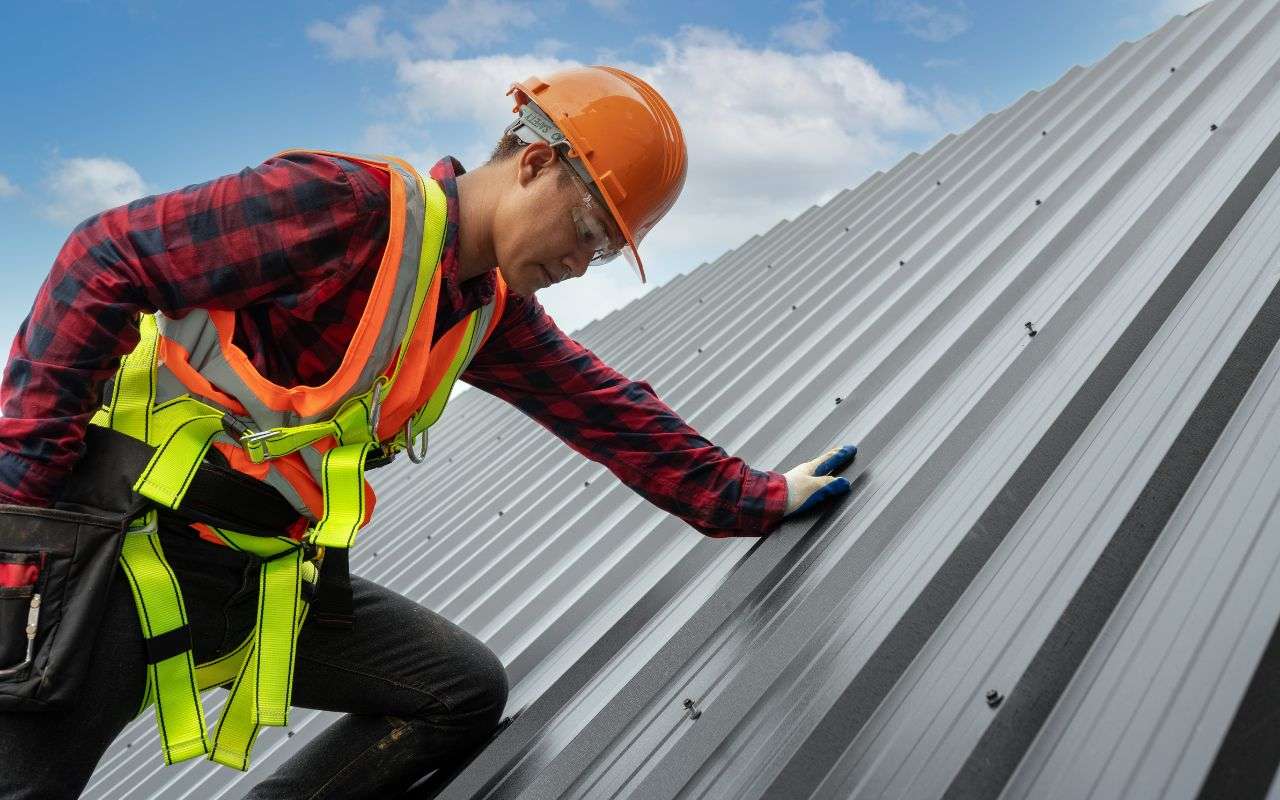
(784, 104)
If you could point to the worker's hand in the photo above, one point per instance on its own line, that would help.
(810, 484)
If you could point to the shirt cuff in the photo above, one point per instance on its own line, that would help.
(775, 501)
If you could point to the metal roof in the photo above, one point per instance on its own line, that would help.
(1054, 339)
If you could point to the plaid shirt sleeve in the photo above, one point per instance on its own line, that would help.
(290, 230)
(622, 424)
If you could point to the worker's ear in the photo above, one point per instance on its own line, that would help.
(535, 160)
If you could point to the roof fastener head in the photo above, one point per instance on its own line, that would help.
(1037, 202)
(838, 399)
(994, 698)
(692, 708)
(901, 263)
(1173, 69)
(1044, 133)
(1213, 127)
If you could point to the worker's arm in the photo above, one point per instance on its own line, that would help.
(623, 425)
(292, 229)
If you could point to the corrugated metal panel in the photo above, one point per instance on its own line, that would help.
(1082, 520)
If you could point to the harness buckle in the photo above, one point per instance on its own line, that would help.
(252, 441)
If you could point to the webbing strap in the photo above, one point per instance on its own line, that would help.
(429, 414)
(264, 684)
(178, 456)
(342, 471)
(134, 390)
(278, 442)
(170, 681)
(433, 227)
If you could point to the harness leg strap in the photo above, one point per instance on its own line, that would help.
(171, 679)
(262, 689)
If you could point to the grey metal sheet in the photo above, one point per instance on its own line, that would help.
(849, 654)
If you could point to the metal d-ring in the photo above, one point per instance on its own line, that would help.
(409, 438)
(375, 408)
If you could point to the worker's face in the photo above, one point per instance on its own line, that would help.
(547, 228)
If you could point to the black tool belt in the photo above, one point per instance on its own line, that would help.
(56, 564)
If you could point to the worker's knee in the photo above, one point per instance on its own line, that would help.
(485, 698)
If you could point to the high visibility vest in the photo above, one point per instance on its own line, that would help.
(187, 387)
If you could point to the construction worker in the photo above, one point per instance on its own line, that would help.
(203, 380)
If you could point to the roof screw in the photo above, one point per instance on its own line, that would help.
(994, 698)
(699, 349)
(1044, 133)
(793, 308)
(1037, 202)
(1031, 331)
(939, 183)
(375, 553)
(691, 709)
(128, 745)
(1173, 69)
(586, 483)
(846, 228)
(901, 263)
(838, 399)
(1213, 127)
(499, 513)
(290, 734)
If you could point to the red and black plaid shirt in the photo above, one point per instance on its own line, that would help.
(292, 247)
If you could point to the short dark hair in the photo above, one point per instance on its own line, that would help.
(510, 146)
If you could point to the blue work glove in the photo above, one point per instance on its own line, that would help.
(810, 484)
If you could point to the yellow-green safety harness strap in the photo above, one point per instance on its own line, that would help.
(264, 685)
(170, 670)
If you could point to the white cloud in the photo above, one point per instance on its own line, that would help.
(479, 23)
(454, 25)
(79, 187)
(471, 89)
(549, 46)
(809, 29)
(933, 23)
(769, 133)
(357, 37)
(7, 187)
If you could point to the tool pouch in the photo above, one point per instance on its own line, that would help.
(56, 568)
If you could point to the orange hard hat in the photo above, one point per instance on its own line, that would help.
(625, 136)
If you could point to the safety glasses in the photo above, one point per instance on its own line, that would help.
(591, 230)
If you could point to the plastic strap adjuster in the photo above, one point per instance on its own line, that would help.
(167, 645)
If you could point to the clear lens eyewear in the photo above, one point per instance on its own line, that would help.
(591, 231)
(591, 234)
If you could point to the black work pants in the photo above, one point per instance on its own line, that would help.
(418, 691)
